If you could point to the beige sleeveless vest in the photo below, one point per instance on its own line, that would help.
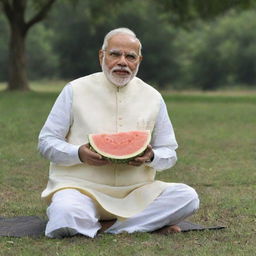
(100, 107)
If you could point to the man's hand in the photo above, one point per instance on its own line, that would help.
(146, 157)
(89, 157)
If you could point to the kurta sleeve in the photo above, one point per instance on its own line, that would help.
(52, 142)
(163, 141)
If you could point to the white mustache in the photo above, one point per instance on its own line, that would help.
(121, 69)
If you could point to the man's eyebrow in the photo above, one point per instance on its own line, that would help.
(118, 50)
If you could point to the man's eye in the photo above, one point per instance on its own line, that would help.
(131, 57)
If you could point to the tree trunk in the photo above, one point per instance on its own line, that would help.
(17, 59)
(14, 11)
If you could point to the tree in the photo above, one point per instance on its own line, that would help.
(23, 14)
(3, 48)
(15, 12)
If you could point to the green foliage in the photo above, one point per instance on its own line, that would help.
(183, 11)
(203, 55)
(42, 59)
(219, 53)
(77, 44)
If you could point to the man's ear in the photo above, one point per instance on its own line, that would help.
(101, 54)
(141, 58)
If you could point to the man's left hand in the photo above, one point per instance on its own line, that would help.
(146, 157)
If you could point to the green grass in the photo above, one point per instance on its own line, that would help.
(217, 156)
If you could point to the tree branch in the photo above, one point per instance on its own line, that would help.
(41, 14)
(7, 9)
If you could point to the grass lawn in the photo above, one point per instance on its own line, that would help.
(217, 156)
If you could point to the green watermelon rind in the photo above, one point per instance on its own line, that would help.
(120, 159)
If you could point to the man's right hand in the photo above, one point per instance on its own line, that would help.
(89, 157)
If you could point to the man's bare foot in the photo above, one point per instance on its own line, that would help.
(168, 230)
(105, 224)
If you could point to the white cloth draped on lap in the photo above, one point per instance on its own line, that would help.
(71, 212)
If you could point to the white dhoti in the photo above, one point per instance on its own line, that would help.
(72, 212)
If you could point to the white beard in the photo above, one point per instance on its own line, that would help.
(116, 80)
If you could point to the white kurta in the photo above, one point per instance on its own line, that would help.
(121, 190)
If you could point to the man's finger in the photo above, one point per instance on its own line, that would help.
(148, 154)
(92, 154)
(143, 158)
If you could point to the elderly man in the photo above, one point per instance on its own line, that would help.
(83, 187)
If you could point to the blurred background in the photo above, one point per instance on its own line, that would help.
(202, 45)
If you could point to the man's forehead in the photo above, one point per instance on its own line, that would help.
(121, 41)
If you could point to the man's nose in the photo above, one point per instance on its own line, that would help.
(122, 61)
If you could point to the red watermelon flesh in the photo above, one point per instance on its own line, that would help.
(122, 145)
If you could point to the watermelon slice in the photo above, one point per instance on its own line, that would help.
(120, 147)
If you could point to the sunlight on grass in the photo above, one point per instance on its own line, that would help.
(48, 86)
(57, 85)
(42, 85)
(3, 86)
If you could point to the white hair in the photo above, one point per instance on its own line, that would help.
(116, 31)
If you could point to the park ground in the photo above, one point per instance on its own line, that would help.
(216, 133)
